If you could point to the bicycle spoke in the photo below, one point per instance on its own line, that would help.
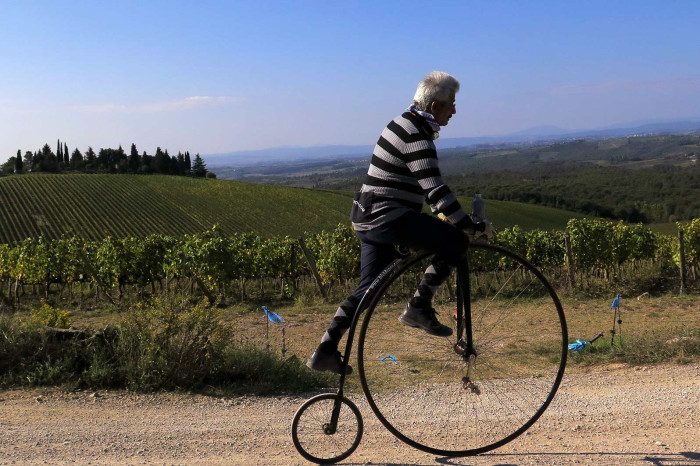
(518, 333)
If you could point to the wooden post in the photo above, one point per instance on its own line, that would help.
(681, 253)
(312, 265)
(569, 260)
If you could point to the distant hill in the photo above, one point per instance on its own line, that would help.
(95, 206)
(536, 135)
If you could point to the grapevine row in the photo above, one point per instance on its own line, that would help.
(216, 260)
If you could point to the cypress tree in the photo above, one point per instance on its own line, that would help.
(66, 154)
(188, 163)
(146, 162)
(133, 159)
(18, 162)
(159, 164)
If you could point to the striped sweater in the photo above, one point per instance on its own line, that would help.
(402, 174)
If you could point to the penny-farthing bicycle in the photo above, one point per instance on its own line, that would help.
(474, 391)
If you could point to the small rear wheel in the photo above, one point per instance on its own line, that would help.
(315, 436)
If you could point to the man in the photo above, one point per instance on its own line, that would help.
(387, 212)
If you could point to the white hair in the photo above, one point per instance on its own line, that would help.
(437, 86)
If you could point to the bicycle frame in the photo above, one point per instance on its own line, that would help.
(461, 349)
(366, 298)
(464, 322)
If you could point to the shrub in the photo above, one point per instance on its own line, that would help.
(169, 343)
(48, 316)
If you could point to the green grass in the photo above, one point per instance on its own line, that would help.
(94, 206)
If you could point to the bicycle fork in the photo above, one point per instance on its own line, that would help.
(465, 348)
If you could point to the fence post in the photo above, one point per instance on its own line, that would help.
(569, 260)
(312, 265)
(681, 251)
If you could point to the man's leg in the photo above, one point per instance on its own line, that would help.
(435, 275)
(424, 232)
(374, 258)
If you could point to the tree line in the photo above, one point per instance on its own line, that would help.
(105, 161)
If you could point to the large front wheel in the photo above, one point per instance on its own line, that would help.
(416, 383)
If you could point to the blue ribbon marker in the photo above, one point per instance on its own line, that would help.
(273, 317)
(390, 357)
(616, 303)
(578, 346)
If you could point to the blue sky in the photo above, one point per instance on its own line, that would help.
(214, 77)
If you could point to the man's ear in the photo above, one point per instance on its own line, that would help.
(433, 107)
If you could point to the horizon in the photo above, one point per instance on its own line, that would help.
(216, 78)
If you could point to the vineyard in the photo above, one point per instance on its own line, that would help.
(96, 206)
(632, 257)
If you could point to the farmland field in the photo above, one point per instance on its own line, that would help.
(96, 206)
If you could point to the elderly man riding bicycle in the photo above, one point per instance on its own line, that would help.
(404, 172)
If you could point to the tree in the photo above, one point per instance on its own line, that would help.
(181, 168)
(160, 163)
(146, 164)
(174, 167)
(18, 162)
(199, 168)
(47, 159)
(76, 160)
(188, 163)
(59, 153)
(90, 159)
(66, 158)
(28, 160)
(7, 167)
(133, 159)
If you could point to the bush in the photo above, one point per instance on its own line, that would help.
(48, 316)
(166, 343)
(169, 343)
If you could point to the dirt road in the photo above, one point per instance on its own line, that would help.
(613, 415)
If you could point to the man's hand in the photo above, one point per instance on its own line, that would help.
(477, 235)
(479, 232)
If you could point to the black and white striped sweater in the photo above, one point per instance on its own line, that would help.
(403, 173)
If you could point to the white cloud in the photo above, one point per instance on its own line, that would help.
(176, 105)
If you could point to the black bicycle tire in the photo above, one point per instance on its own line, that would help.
(376, 296)
(295, 423)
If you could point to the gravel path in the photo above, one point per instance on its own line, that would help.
(612, 415)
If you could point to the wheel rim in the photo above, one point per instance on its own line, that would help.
(316, 440)
(520, 337)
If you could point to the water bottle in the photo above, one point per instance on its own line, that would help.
(478, 209)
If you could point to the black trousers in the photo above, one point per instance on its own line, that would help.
(414, 230)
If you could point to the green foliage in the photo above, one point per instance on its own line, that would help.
(168, 343)
(679, 345)
(49, 316)
(601, 251)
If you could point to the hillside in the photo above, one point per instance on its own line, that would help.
(648, 179)
(95, 206)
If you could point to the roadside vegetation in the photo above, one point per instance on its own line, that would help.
(171, 343)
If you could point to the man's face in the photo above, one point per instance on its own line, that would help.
(443, 111)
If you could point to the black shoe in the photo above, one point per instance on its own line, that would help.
(327, 361)
(424, 319)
